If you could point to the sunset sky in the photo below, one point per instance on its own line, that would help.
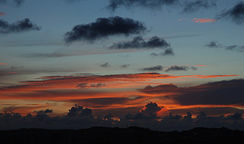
(118, 55)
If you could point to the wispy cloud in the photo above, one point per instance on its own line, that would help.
(236, 13)
(214, 44)
(216, 93)
(203, 20)
(15, 2)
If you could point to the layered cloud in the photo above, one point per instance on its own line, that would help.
(103, 28)
(236, 13)
(17, 27)
(215, 93)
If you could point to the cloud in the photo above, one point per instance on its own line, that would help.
(15, 2)
(154, 68)
(103, 28)
(203, 20)
(42, 112)
(151, 109)
(79, 111)
(114, 4)
(124, 65)
(148, 112)
(167, 52)
(180, 68)
(2, 13)
(105, 65)
(17, 27)
(214, 44)
(236, 13)
(235, 48)
(187, 5)
(3, 64)
(68, 88)
(215, 93)
(86, 85)
(139, 43)
(191, 6)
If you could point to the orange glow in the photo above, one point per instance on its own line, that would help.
(200, 65)
(203, 20)
(2, 63)
(2, 14)
(117, 91)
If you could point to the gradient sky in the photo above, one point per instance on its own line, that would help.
(40, 70)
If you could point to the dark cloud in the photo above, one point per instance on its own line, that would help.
(154, 68)
(235, 48)
(187, 5)
(114, 4)
(190, 6)
(167, 52)
(17, 27)
(213, 44)
(105, 65)
(215, 93)
(79, 111)
(235, 13)
(180, 68)
(139, 43)
(15, 2)
(148, 112)
(124, 65)
(151, 109)
(160, 89)
(44, 111)
(103, 28)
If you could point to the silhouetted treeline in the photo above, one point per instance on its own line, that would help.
(132, 135)
(79, 118)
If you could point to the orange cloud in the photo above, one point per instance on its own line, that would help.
(200, 65)
(3, 64)
(96, 91)
(2, 13)
(108, 81)
(203, 20)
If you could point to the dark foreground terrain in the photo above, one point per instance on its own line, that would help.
(132, 135)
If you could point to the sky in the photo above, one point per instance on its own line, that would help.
(118, 56)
